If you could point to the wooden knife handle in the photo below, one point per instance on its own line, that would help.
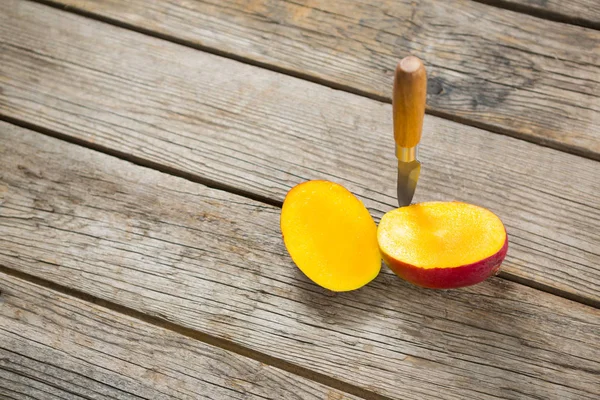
(408, 101)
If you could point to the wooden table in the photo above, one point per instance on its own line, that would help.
(145, 150)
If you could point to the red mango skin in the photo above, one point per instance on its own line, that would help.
(449, 278)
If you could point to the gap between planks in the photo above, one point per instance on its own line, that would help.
(51, 342)
(199, 336)
(542, 13)
(326, 82)
(142, 161)
(254, 196)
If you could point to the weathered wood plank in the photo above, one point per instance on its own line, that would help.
(215, 262)
(581, 12)
(263, 132)
(494, 68)
(57, 345)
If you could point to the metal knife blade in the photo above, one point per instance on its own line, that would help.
(408, 175)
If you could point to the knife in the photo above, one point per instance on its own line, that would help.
(408, 104)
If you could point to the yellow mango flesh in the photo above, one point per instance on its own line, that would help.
(330, 235)
(440, 234)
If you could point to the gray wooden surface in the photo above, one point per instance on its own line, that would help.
(259, 132)
(506, 71)
(141, 180)
(214, 262)
(55, 346)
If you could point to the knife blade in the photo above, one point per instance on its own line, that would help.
(408, 104)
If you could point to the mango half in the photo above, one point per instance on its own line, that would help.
(330, 235)
(442, 245)
(334, 241)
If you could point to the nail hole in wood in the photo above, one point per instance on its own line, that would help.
(434, 86)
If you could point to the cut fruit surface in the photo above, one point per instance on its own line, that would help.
(442, 244)
(330, 235)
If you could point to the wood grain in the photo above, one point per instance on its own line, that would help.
(56, 346)
(215, 262)
(493, 68)
(580, 12)
(212, 119)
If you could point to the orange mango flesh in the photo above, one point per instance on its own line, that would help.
(440, 235)
(330, 236)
